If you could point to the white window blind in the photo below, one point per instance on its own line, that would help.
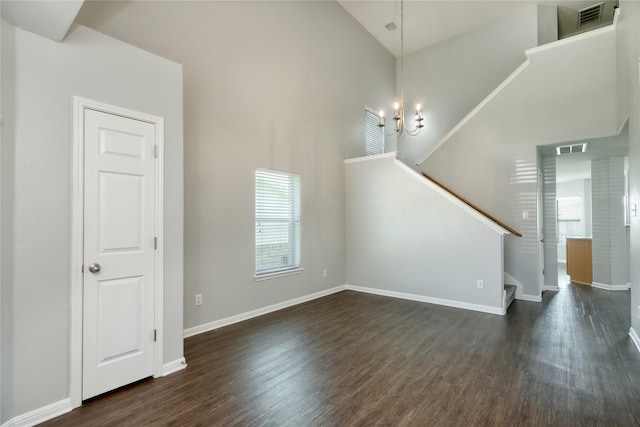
(277, 221)
(373, 134)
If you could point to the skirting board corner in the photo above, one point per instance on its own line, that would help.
(174, 366)
(40, 415)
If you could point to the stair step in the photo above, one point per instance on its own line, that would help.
(511, 294)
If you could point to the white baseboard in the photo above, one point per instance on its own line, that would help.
(550, 288)
(610, 287)
(40, 415)
(174, 366)
(430, 300)
(189, 332)
(635, 338)
(532, 298)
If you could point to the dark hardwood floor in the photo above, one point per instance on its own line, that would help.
(353, 359)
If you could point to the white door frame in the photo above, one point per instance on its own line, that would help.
(77, 235)
(542, 244)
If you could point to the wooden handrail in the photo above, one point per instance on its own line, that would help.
(474, 207)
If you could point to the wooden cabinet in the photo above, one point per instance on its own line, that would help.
(579, 260)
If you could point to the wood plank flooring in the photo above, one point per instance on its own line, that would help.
(353, 359)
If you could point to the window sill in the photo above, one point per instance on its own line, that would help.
(277, 274)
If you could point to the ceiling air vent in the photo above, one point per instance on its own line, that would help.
(571, 149)
(590, 14)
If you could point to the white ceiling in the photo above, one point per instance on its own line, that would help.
(51, 18)
(427, 22)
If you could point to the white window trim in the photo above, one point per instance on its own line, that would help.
(275, 275)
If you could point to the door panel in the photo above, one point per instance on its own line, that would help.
(118, 308)
(118, 338)
(121, 212)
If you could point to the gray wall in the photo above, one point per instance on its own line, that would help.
(403, 236)
(39, 79)
(450, 78)
(281, 85)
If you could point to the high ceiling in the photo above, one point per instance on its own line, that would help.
(427, 22)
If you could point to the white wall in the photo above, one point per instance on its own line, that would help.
(609, 232)
(566, 92)
(405, 236)
(450, 78)
(629, 92)
(547, 23)
(281, 85)
(2, 310)
(39, 79)
(551, 252)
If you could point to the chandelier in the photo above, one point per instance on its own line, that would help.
(399, 117)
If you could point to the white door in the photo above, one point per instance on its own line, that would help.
(118, 295)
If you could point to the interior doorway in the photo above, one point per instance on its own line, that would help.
(585, 193)
(117, 248)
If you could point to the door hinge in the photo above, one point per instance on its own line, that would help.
(155, 335)
(155, 243)
(155, 151)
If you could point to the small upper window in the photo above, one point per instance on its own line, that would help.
(373, 134)
(277, 222)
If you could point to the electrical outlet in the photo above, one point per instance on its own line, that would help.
(480, 284)
(324, 273)
(198, 299)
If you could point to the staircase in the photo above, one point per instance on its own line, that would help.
(564, 91)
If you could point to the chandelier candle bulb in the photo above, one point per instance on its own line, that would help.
(381, 119)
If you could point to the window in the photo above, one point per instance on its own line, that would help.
(373, 134)
(569, 218)
(277, 222)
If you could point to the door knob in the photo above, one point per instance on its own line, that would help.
(94, 268)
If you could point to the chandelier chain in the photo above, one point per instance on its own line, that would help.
(399, 116)
(402, 54)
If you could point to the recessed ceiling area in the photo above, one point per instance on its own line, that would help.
(429, 22)
(426, 22)
(575, 166)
